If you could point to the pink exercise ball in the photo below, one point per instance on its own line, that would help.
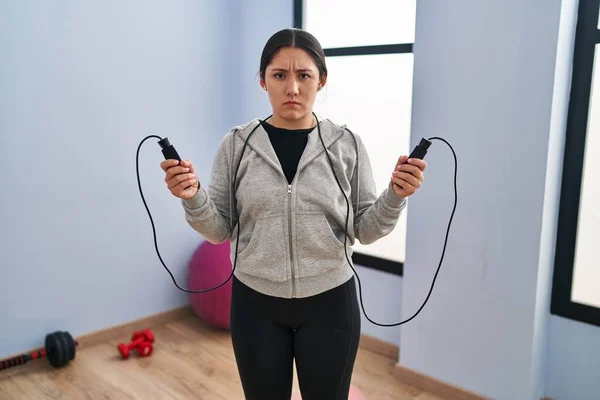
(209, 267)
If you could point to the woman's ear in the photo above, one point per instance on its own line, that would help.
(322, 83)
(263, 84)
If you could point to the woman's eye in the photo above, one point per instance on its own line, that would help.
(305, 76)
(278, 76)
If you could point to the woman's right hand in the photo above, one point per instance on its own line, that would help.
(180, 178)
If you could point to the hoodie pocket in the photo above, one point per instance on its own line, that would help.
(318, 250)
(265, 254)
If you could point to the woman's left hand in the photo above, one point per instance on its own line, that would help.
(408, 176)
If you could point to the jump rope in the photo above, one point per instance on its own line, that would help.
(418, 152)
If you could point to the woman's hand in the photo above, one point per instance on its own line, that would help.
(180, 178)
(408, 176)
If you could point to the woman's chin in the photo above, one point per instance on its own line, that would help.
(292, 114)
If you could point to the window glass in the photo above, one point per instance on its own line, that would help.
(586, 269)
(344, 23)
(372, 95)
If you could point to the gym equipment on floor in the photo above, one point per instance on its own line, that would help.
(141, 341)
(59, 349)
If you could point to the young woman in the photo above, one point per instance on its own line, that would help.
(276, 193)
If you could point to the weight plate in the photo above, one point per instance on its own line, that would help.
(54, 349)
(65, 346)
(71, 345)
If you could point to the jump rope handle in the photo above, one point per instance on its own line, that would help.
(420, 150)
(168, 150)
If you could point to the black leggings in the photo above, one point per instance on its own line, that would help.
(321, 333)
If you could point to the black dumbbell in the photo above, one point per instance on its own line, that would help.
(59, 348)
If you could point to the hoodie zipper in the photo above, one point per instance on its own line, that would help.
(289, 193)
(289, 206)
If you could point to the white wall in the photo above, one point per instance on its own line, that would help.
(82, 85)
(486, 85)
(549, 375)
(382, 301)
(257, 20)
(573, 360)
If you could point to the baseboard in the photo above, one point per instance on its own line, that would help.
(124, 331)
(434, 386)
(414, 378)
(379, 346)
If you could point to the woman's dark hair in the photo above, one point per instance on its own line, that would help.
(293, 37)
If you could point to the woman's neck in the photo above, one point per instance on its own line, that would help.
(302, 123)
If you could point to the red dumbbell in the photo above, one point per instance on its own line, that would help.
(141, 341)
(144, 349)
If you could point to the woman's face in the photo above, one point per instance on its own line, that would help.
(292, 81)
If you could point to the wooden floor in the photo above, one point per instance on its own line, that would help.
(190, 361)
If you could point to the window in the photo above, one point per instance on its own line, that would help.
(576, 286)
(368, 46)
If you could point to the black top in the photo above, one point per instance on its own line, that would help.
(289, 145)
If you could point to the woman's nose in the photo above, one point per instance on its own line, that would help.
(292, 88)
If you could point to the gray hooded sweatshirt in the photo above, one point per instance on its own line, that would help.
(291, 239)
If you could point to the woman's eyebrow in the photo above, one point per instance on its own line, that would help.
(298, 70)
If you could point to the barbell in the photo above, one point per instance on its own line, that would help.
(59, 349)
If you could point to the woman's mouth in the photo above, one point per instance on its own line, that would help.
(290, 104)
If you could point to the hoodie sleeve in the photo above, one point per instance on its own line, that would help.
(209, 212)
(376, 216)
